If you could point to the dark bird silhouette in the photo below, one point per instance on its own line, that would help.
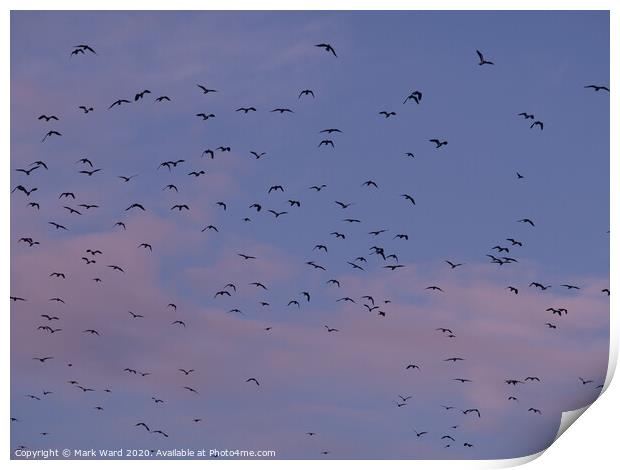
(327, 48)
(246, 110)
(48, 118)
(205, 116)
(415, 96)
(206, 90)
(306, 93)
(58, 226)
(482, 60)
(472, 410)
(118, 103)
(135, 205)
(387, 114)
(141, 94)
(127, 179)
(409, 198)
(537, 123)
(527, 221)
(434, 288)
(438, 143)
(252, 379)
(49, 134)
(597, 87)
(21, 188)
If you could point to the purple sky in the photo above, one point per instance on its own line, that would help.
(342, 385)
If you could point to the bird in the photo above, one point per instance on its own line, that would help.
(48, 118)
(206, 90)
(127, 179)
(387, 114)
(21, 188)
(246, 110)
(434, 288)
(330, 330)
(205, 116)
(462, 380)
(86, 109)
(306, 93)
(527, 221)
(584, 381)
(535, 410)
(42, 359)
(282, 110)
(597, 87)
(453, 265)
(252, 379)
(526, 115)
(472, 410)
(49, 134)
(327, 48)
(438, 143)
(537, 123)
(412, 367)
(482, 60)
(85, 47)
(141, 94)
(408, 198)
(162, 98)
(135, 205)
(415, 96)
(119, 103)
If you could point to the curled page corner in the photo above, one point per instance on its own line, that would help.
(568, 418)
(517, 461)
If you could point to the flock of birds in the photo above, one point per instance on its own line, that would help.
(503, 253)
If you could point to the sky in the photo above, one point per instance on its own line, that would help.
(342, 385)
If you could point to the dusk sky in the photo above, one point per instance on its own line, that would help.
(343, 385)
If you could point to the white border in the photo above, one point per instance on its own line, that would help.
(590, 443)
